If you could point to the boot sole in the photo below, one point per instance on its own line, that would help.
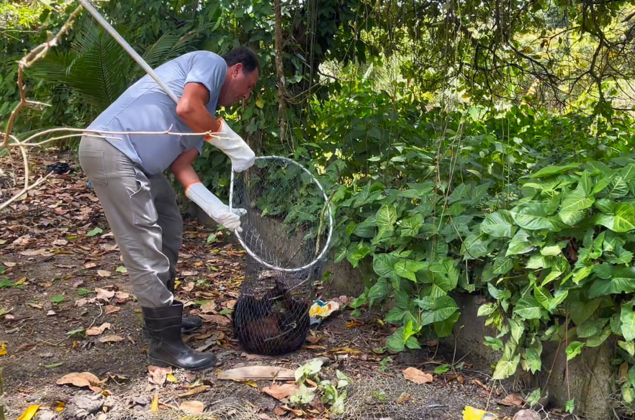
(160, 363)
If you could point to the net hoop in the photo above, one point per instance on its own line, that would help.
(328, 210)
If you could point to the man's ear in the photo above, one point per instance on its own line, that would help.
(237, 68)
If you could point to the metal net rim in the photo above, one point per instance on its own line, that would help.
(328, 210)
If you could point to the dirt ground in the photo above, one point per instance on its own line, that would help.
(66, 306)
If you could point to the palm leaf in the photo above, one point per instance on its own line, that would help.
(169, 46)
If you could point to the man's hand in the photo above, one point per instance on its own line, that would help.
(191, 109)
(215, 208)
(195, 191)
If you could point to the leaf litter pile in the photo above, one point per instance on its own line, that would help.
(71, 344)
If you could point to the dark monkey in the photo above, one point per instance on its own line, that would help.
(274, 325)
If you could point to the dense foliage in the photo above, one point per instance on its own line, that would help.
(468, 147)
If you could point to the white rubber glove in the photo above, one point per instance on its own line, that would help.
(215, 208)
(234, 146)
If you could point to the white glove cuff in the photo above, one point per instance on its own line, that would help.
(232, 145)
(205, 199)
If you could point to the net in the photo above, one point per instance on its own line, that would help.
(287, 226)
(287, 223)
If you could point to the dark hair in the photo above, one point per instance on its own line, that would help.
(245, 56)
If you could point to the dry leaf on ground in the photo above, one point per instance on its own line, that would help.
(417, 376)
(256, 373)
(218, 319)
(208, 307)
(158, 375)
(110, 339)
(195, 391)
(512, 400)
(280, 392)
(103, 294)
(98, 330)
(29, 413)
(103, 273)
(192, 407)
(81, 380)
(111, 309)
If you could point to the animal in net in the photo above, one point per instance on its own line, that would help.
(271, 316)
(284, 227)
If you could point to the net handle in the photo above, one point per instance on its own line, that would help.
(328, 209)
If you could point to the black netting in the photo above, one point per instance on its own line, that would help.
(285, 229)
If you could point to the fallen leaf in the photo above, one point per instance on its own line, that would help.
(298, 413)
(155, 403)
(263, 416)
(280, 392)
(98, 330)
(189, 273)
(59, 406)
(218, 319)
(512, 400)
(189, 287)
(25, 347)
(208, 307)
(158, 375)
(50, 313)
(111, 309)
(194, 391)
(103, 273)
(60, 242)
(230, 304)
(345, 350)
(171, 378)
(417, 376)
(460, 379)
(90, 265)
(249, 383)
(192, 407)
(403, 398)
(481, 384)
(81, 380)
(29, 412)
(279, 411)
(103, 294)
(10, 264)
(256, 373)
(3, 349)
(122, 297)
(110, 339)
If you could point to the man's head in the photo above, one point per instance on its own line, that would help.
(242, 75)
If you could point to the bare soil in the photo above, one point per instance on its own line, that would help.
(67, 306)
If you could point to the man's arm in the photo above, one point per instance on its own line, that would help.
(183, 170)
(191, 109)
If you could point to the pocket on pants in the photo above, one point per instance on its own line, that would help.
(144, 212)
(93, 165)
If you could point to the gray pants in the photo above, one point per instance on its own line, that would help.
(142, 213)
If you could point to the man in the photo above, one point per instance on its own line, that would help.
(126, 173)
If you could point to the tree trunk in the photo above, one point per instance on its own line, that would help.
(279, 69)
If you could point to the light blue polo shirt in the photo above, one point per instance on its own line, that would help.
(144, 106)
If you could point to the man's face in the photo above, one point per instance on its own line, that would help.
(240, 85)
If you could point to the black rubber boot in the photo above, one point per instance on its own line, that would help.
(166, 345)
(189, 323)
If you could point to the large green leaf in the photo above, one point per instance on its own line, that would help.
(506, 367)
(383, 264)
(407, 268)
(498, 225)
(528, 308)
(621, 218)
(411, 226)
(623, 280)
(574, 205)
(534, 216)
(553, 170)
(386, 217)
(444, 328)
(627, 316)
(474, 247)
(519, 243)
(442, 308)
(380, 290)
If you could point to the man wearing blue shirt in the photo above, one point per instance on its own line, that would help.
(126, 171)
